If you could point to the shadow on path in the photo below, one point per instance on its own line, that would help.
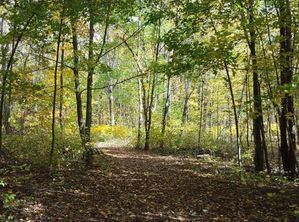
(130, 185)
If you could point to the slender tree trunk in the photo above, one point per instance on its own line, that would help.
(230, 122)
(217, 114)
(140, 116)
(151, 93)
(91, 66)
(79, 107)
(165, 111)
(186, 102)
(88, 118)
(7, 110)
(61, 124)
(7, 102)
(239, 149)
(111, 106)
(247, 112)
(201, 109)
(146, 118)
(297, 123)
(148, 86)
(7, 99)
(270, 133)
(6, 76)
(55, 95)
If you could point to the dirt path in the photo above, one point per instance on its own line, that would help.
(133, 186)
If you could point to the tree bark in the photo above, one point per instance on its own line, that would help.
(79, 107)
(287, 115)
(88, 118)
(165, 111)
(258, 126)
(140, 116)
(61, 124)
(239, 149)
(111, 106)
(55, 95)
(201, 109)
(151, 93)
(186, 102)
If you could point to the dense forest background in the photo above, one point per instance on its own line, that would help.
(217, 77)
(149, 110)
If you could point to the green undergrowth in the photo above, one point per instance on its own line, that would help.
(34, 147)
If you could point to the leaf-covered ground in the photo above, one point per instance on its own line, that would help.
(130, 185)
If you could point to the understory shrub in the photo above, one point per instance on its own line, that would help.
(101, 133)
(35, 146)
(184, 141)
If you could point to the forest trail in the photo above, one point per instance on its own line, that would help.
(132, 185)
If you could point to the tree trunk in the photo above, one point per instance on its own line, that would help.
(151, 93)
(165, 111)
(140, 116)
(186, 102)
(7, 111)
(247, 111)
(201, 107)
(61, 90)
(79, 107)
(239, 149)
(6, 75)
(230, 122)
(287, 118)
(55, 95)
(88, 118)
(259, 142)
(111, 106)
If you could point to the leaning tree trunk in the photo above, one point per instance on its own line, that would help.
(6, 75)
(232, 95)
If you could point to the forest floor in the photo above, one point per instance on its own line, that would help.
(131, 185)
